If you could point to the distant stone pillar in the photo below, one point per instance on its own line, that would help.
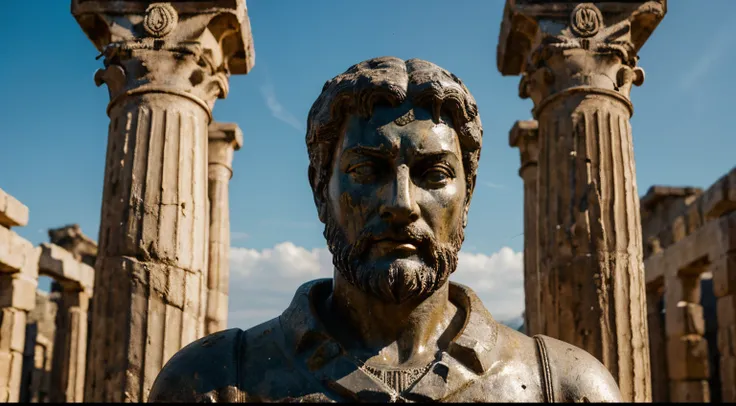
(165, 65)
(75, 281)
(687, 349)
(70, 346)
(657, 344)
(224, 140)
(578, 64)
(18, 281)
(524, 136)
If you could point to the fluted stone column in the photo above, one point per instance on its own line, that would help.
(578, 64)
(524, 136)
(224, 140)
(165, 65)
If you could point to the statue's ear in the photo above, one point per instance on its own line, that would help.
(318, 193)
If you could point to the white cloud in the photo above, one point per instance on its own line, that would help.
(277, 109)
(262, 283)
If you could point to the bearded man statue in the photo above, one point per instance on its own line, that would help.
(393, 153)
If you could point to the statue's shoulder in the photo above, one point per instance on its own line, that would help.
(572, 374)
(227, 366)
(205, 370)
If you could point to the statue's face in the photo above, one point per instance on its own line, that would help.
(396, 203)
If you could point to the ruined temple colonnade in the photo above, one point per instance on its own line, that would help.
(578, 63)
(165, 64)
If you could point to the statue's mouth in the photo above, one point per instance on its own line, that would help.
(400, 245)
(389, 245)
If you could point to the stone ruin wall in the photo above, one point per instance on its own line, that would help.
(43, 336)
(690, 264)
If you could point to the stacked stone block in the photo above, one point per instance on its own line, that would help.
(18, 281)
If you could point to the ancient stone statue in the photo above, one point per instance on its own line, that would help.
(393, 148)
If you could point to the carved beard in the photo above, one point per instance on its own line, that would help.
(403, 280)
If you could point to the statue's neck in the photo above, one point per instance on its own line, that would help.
(388, 334)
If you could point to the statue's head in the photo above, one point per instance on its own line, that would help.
(393, 149)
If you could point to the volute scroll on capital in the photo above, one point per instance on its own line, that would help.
(566, 45)
(177, 48)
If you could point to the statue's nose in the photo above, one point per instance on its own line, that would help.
(400, 206)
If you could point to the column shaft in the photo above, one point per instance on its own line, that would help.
(533, 287)
(219, 268)
(152, 243)
(70, 346)
(524, 135)
(590, 233)
(578, 63)
(224, 140)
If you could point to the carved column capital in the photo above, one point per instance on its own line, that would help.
(223, 140)
(568, 46)
(183, 48)
(524, 135)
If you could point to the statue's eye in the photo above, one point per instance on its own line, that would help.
(362, 171)
(437, 175)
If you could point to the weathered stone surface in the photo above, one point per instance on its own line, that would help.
(687, 358)
(12, 342)
(684, 319)
(62, 265)
(12, 212)
(720, 198)
(72, 239)
(70, 347)
(726, 306)
(578, 62)
(18, 291)
(728, 378)
(713, 241)
(724, 275)
(727, 340)
(227, 20)
(16, 253)
(690, 391)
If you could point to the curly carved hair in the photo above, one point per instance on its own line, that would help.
(392, 81)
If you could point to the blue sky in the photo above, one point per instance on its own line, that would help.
(53, 126)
